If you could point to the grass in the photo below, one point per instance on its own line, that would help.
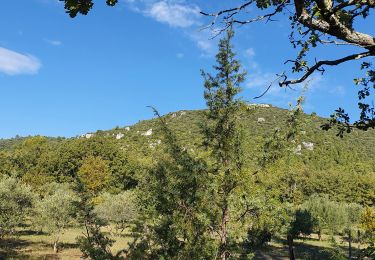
(30, 244)
(306, 248)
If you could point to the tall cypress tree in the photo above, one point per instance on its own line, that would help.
(192, 202)
(222, 133)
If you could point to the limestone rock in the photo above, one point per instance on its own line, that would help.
(88, 136)
(308, 145)
(298, 149)
(147, 133)
(119, 136)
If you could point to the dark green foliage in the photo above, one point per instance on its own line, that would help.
(257, 237)
(303, 223)
(74, 7)
(94, 244)
(173, 199)
(223, 140)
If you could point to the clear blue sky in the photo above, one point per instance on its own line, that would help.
(64, 77)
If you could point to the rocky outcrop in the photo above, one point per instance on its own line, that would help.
(119, 136)
(147, 133)
(308, 146)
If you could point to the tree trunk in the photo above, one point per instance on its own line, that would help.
(224, 254)
(350, 244)
(55, 247)
(290, 247)
(320, 235)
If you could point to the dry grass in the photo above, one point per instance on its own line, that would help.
(30, 244)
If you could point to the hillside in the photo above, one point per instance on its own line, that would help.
(342, 167)
(258, 123)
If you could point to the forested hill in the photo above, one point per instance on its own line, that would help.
(342, 167)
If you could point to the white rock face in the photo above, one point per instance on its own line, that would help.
(303, 132)
(298, 149)
(148, 132)
(154, 144)
(309, 146)
(260, 105)
(127, 128)
(261, 120)
(173, 115)
(88, 136)
(119, 136)
(182, 113)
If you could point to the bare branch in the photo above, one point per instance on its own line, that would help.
(270, 85)
(233, 11)
(318, 65)
(339, 43)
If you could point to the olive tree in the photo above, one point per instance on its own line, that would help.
(16, 201)
(119, 209)
(55, 212)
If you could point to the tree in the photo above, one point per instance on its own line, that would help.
(93, 243)
(329, 214)
(353, 216)
(119, 209)
(94, 174)
(316, 23)
(197, 204)
(222, 133)
(368, 222)
(302, 223)
(368, 225)
(55, 212)
(16, 201)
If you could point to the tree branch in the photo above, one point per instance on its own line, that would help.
(319, 64)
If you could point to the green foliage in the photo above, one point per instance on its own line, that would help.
(334, 217)
(223, 140)
(329, 214)
(16, 201)
(193, 202)
(94, 244)
(303, 223)
(172, 197)
(367, 222)
(74, 7)
(94, 174)
(119, 209)
(55, 212)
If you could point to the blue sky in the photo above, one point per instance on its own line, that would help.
(65, 77)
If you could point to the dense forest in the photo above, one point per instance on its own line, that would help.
(227, 182)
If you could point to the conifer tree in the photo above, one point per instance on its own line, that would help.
(222, 133)
(191, 203)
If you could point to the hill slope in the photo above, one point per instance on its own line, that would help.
(342, 167)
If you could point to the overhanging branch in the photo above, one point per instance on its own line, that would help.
(319, 64)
